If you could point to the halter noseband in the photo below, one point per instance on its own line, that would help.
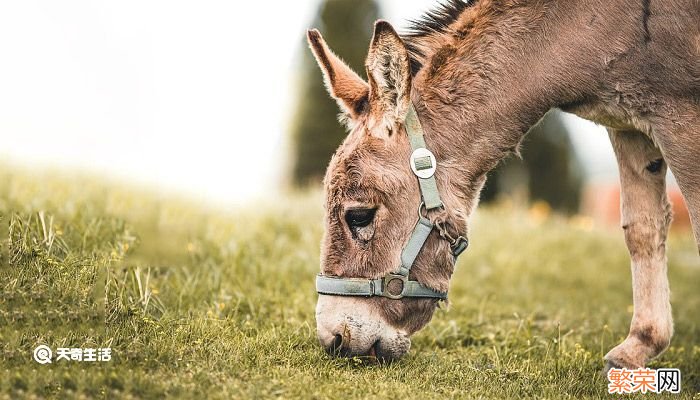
(423, 165)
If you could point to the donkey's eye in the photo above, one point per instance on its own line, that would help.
(359, 217)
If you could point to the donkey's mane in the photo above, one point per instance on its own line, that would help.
(433, 22)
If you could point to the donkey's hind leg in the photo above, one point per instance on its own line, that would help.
(681, 148)
(646, 216)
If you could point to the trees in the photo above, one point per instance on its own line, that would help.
(548, 170)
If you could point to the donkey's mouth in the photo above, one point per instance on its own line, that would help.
(388, 351)
(373, 350)
(372, 358)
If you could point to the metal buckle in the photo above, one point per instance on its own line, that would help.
(385, 285)
(459, 245)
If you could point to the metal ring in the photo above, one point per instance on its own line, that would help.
(387, 279)
(422, 206)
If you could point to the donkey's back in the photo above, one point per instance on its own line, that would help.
(651, 65)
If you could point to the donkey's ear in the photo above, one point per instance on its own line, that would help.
(389, 73)
(344, 85)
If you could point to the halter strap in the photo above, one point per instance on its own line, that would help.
(422, 160)
(423, 164)
(374, 287)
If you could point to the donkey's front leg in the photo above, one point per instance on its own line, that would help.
(646, 216)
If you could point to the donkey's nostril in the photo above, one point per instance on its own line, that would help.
(337, 343)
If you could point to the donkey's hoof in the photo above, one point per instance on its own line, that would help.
(609, 364)
(630, 354)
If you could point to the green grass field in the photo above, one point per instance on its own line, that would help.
(200, 304)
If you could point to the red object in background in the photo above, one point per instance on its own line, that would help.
(602, 202)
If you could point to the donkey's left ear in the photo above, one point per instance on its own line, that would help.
(389, 73)
(343, 84)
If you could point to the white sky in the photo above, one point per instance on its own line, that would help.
(189, 96)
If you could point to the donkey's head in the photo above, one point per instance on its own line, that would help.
(373, 201)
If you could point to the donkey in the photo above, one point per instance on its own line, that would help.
(477, 75)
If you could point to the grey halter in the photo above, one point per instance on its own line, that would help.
(423, 164)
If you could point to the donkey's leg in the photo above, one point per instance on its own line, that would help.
(681, 150)
(646, 216)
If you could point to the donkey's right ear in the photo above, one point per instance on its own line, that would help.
(344, 85)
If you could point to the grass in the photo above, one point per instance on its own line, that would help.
(202, 304)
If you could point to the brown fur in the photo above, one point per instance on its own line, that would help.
(490, 70)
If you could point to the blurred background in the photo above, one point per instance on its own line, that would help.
(222, 102)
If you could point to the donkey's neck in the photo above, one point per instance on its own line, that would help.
(497, 69)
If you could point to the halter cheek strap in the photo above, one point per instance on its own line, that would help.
(396, 285)
(423, 161)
